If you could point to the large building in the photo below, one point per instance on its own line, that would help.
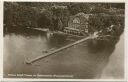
(78, 24)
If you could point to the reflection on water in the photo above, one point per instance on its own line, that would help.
(82, 61)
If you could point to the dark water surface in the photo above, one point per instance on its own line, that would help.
(83, 61)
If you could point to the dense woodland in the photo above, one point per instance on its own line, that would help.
(33, 14)
(48, 14)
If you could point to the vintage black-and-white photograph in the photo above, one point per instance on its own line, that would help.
(63, 40)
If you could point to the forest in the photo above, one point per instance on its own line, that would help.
(48, 14)
(33, 14)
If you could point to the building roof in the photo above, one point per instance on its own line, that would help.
(83, 15)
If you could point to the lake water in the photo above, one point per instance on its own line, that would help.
(83, 61)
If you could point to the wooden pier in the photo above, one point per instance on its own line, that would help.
(60, 49)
